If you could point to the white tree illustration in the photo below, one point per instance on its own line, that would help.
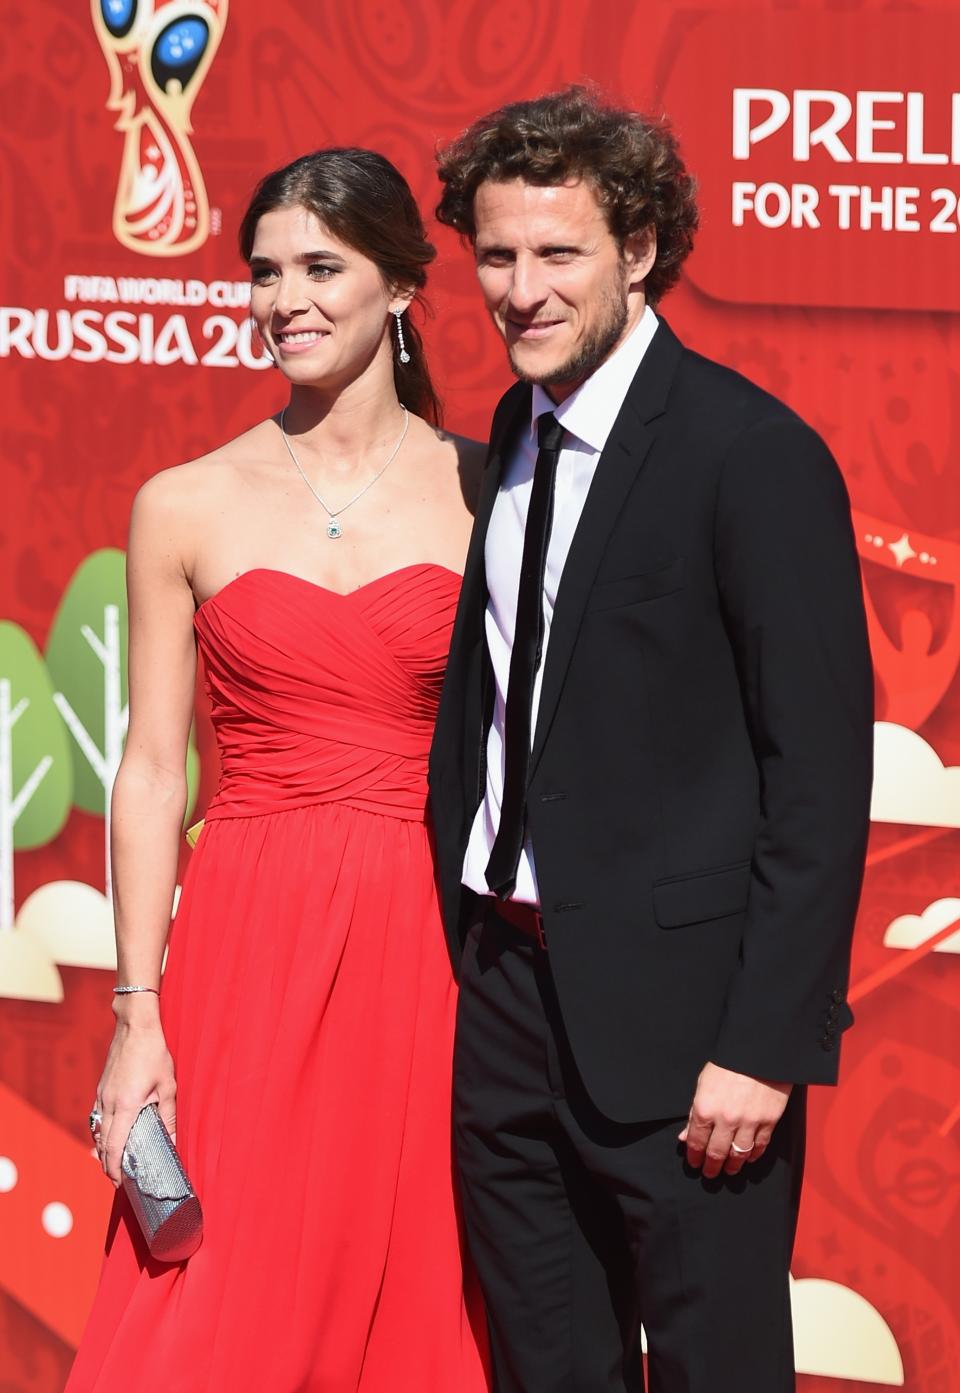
(116, 716)
(87, 658)
(35, 795)
(12, 804)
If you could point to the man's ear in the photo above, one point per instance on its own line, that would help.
(640, 252)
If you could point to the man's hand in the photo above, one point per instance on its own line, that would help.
(731, 1120)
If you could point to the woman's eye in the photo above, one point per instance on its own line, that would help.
(261, 274)
(319, 271)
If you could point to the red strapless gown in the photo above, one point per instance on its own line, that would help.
(309, 1005)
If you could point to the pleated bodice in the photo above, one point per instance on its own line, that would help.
(319, 697)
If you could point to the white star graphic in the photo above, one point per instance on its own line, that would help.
(902, 550)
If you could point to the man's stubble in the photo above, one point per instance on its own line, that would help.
(593, 351)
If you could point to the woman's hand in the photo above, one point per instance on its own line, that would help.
(139, 1070)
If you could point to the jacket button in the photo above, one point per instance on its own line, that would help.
(837, 996)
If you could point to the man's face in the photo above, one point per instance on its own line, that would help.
(556, 283)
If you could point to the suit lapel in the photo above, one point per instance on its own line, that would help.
(455, 751)
(618, 468)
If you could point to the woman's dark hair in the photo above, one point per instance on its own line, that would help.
(367, 204)
(631, 160)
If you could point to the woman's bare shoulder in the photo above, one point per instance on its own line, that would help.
(470, 458)
(183, 490)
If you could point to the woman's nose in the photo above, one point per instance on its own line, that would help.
(291, 297)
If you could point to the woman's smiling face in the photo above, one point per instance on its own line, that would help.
(320, 306)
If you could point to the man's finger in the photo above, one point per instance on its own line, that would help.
(741, 1150)
(760, 1143)
(698, 1132)
(718, 1149)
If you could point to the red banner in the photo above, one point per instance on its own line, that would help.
(828, 150)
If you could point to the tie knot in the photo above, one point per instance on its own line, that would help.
(549, 432)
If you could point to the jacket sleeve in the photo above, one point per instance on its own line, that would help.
(790, 589)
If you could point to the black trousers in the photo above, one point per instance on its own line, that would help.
(582, 1228)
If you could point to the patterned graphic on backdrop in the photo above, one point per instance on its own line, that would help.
(158, 53)
(108, 381)
(83, 675)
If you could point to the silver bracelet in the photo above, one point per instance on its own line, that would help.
(123, 991)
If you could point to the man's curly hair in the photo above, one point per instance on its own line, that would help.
(632, 161)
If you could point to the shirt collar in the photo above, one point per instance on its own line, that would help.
(590, 411)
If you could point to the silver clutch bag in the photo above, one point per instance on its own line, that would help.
(161, 1196)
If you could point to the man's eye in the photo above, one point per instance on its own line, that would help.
(495, 259)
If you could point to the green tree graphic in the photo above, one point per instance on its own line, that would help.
(87, 658)
(36, 776)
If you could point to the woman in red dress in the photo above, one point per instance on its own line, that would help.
(300, 1047)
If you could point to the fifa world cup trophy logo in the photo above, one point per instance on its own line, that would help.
(158, 52)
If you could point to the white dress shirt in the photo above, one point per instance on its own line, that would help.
(587, 416)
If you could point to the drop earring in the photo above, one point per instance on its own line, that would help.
(404, 355)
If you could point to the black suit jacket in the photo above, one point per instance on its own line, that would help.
(699, 792)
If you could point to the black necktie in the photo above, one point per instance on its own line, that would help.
(524, 662)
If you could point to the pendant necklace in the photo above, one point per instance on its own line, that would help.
(334, 526)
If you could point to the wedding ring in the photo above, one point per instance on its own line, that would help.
(740, 1150)
(94, 1120)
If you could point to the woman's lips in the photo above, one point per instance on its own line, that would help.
(298, 341)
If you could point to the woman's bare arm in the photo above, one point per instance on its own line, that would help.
(149, 799)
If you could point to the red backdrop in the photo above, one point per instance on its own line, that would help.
(826, 137)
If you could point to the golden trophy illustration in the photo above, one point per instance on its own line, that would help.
(158, 53)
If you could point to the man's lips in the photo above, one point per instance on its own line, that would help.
(536, 329)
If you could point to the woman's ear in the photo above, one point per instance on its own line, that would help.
(403, 298)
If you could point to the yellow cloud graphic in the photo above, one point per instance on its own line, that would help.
(74, 922)
(910, 783)
(838, 1334)
(910, 930)
(27, 969)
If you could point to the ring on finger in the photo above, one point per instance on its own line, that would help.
(740, 1150)
(95, 1119)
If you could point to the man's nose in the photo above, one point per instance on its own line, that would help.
(528, 288)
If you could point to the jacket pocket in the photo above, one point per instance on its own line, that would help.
(690, 899)
(630, 590)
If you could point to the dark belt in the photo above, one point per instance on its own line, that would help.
(525, 917)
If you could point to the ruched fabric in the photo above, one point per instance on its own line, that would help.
(309, 1005)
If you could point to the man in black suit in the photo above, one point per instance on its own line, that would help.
(650, 785)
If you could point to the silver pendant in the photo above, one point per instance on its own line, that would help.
(334, 530)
